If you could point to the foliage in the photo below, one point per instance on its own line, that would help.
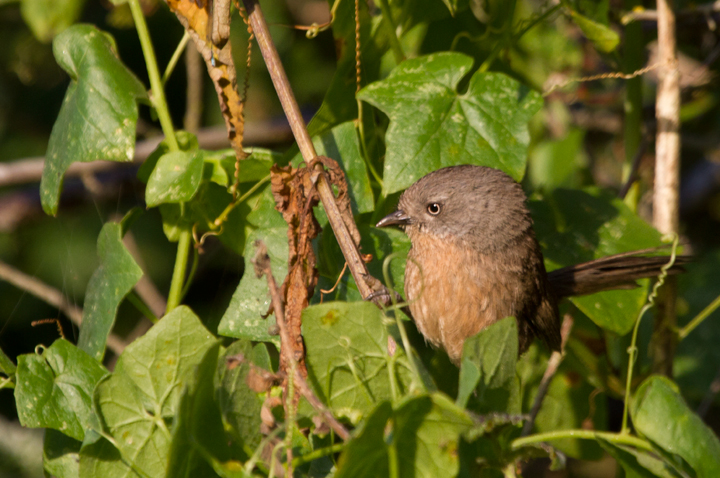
(190, 399)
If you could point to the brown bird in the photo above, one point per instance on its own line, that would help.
(475, 260)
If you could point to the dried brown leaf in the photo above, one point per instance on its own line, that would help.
(295, 196)
(220, 65)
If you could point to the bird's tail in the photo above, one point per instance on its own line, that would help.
(619, 271)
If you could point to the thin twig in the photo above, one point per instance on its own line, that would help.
(603, 76)
(54, 297)
(552, 366)
(194, 102)
(329, 291)
(632, 175)
(262, 267)
(145, 288)
(262, 264)
(652, 15)
(366, 284)
(29, 170)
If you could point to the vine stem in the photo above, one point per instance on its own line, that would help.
(619, 438)
(685, 331)
(178, 277)
(175, 57)
(156, 86)
(319, 453)
(157, 97)
(223, 216)
(401, 327)
(632, 350)
(140, 305)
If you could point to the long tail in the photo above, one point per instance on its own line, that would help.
(619, 271)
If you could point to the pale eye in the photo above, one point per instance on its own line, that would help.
(433, 209)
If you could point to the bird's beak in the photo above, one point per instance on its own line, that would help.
(397, 218)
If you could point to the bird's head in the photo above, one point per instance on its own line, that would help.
(477, 205)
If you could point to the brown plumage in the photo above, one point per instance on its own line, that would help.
(475, 260)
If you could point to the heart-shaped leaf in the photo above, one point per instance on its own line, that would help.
(660, 414)
(488, 368)
(136, 404)
(348, 359)
(420, 438)
(117, 275)
(432, 125)
(98, 116)
(575, 226)
(54, 388)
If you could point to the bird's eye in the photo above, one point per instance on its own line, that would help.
(433, 208)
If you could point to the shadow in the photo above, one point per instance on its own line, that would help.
(568, 223)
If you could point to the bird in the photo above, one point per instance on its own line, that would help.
(474, 260)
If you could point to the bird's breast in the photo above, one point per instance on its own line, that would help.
(454, 291)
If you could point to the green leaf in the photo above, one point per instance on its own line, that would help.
(60, 455)
(174, 221)
(455, 5)
(488, 368)
(347, 357)
(596, 10)
(186, 142)
(660, 414)
(219, 167)
(239, 405)
(603, 37)
(199, 443)
(422, 435)
(366, 455)
(341, 144)
(264, 215)
(7, 366)
(637, 463)
(575, 226)
(252, 169)
(98, 457)
(251, 300)
(213, 198)
(98, 116)
(54, 388)
(110, 283)
(555, 163)
(136, 405)
(47, 18)
(339, 104)
(428, 436)
(175, 179)
(432, 125)
(258, 164)
(695, 365)
(380, 242)
(565, 407)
